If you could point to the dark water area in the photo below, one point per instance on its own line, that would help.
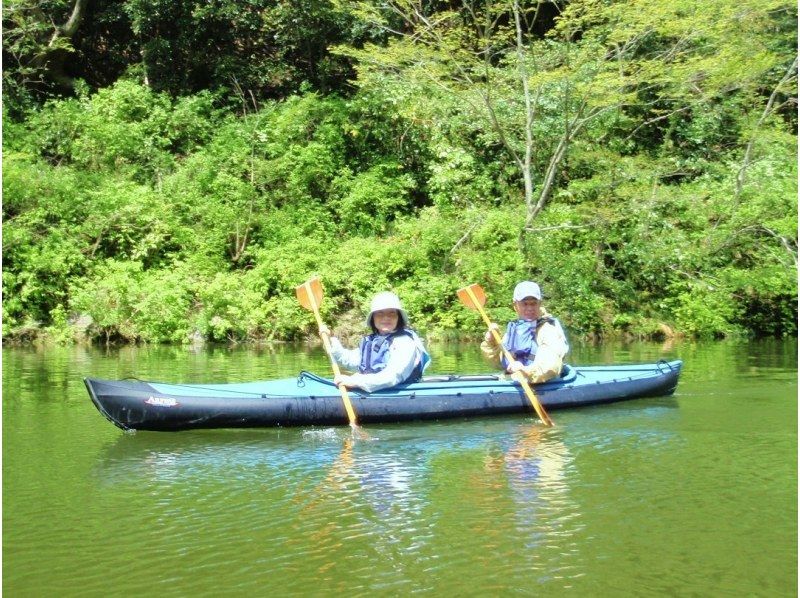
(692, 494)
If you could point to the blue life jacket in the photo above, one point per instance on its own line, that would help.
(520, 339)
(375, 353)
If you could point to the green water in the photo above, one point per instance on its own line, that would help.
(692, 495)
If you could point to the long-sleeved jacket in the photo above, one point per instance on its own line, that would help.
(550, 354)
(404, 355)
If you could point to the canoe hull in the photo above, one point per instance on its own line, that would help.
(310, 400)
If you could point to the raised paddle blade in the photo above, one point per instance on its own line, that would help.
(310, 293)
(470, 294)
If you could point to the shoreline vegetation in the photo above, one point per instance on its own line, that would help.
(81, 333)
(638, 160)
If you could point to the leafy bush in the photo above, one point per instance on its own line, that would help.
(124, 127)
(109, 298)
(164, 220)
(229, 309)
(367, 202)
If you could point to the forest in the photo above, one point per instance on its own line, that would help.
(173, 169)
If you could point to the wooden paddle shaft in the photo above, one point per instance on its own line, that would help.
(326, 342)
(517, 376)
(488, 322)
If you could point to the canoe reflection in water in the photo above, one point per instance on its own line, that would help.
(395, 472)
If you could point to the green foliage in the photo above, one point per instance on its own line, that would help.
(136, 216)
(129, 303)
(60, 330)
(702, 312)
(32, 50)
(125, 127)
(230, 309)
(370, 200)
(41, 250)
(457, 178)
(109, 299)
(260, 47)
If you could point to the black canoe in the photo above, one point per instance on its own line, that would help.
(311, 400)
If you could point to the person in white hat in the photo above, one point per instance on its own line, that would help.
(535, 339)
(392, 354)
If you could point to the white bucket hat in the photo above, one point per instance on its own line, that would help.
(387, 300)
(527, 289)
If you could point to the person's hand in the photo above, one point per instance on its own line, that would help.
(514, 367)
(324, 330)
(489, 336)
(343, 379)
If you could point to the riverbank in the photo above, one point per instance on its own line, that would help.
(348, 334)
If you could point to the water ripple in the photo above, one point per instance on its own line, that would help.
(694, 494)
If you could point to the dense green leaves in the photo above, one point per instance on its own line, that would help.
(662, 145)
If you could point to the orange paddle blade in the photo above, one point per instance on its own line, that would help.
(310, 294)
(469, 299)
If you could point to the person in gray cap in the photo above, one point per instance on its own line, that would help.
(391, 355)
(535, 339)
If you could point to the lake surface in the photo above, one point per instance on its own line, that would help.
(689, 495)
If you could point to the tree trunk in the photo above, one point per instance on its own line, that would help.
(53, 57)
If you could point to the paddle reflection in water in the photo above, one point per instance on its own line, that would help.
(364, 520)
(445, 498)
(535, 465)
(422, 502)
(381, 480)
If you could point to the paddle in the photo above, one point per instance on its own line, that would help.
(310, 296)
(474, 298)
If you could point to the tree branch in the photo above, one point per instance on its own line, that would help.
(466, 235)
(656, 119)
(768, 109)
(539, 229)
